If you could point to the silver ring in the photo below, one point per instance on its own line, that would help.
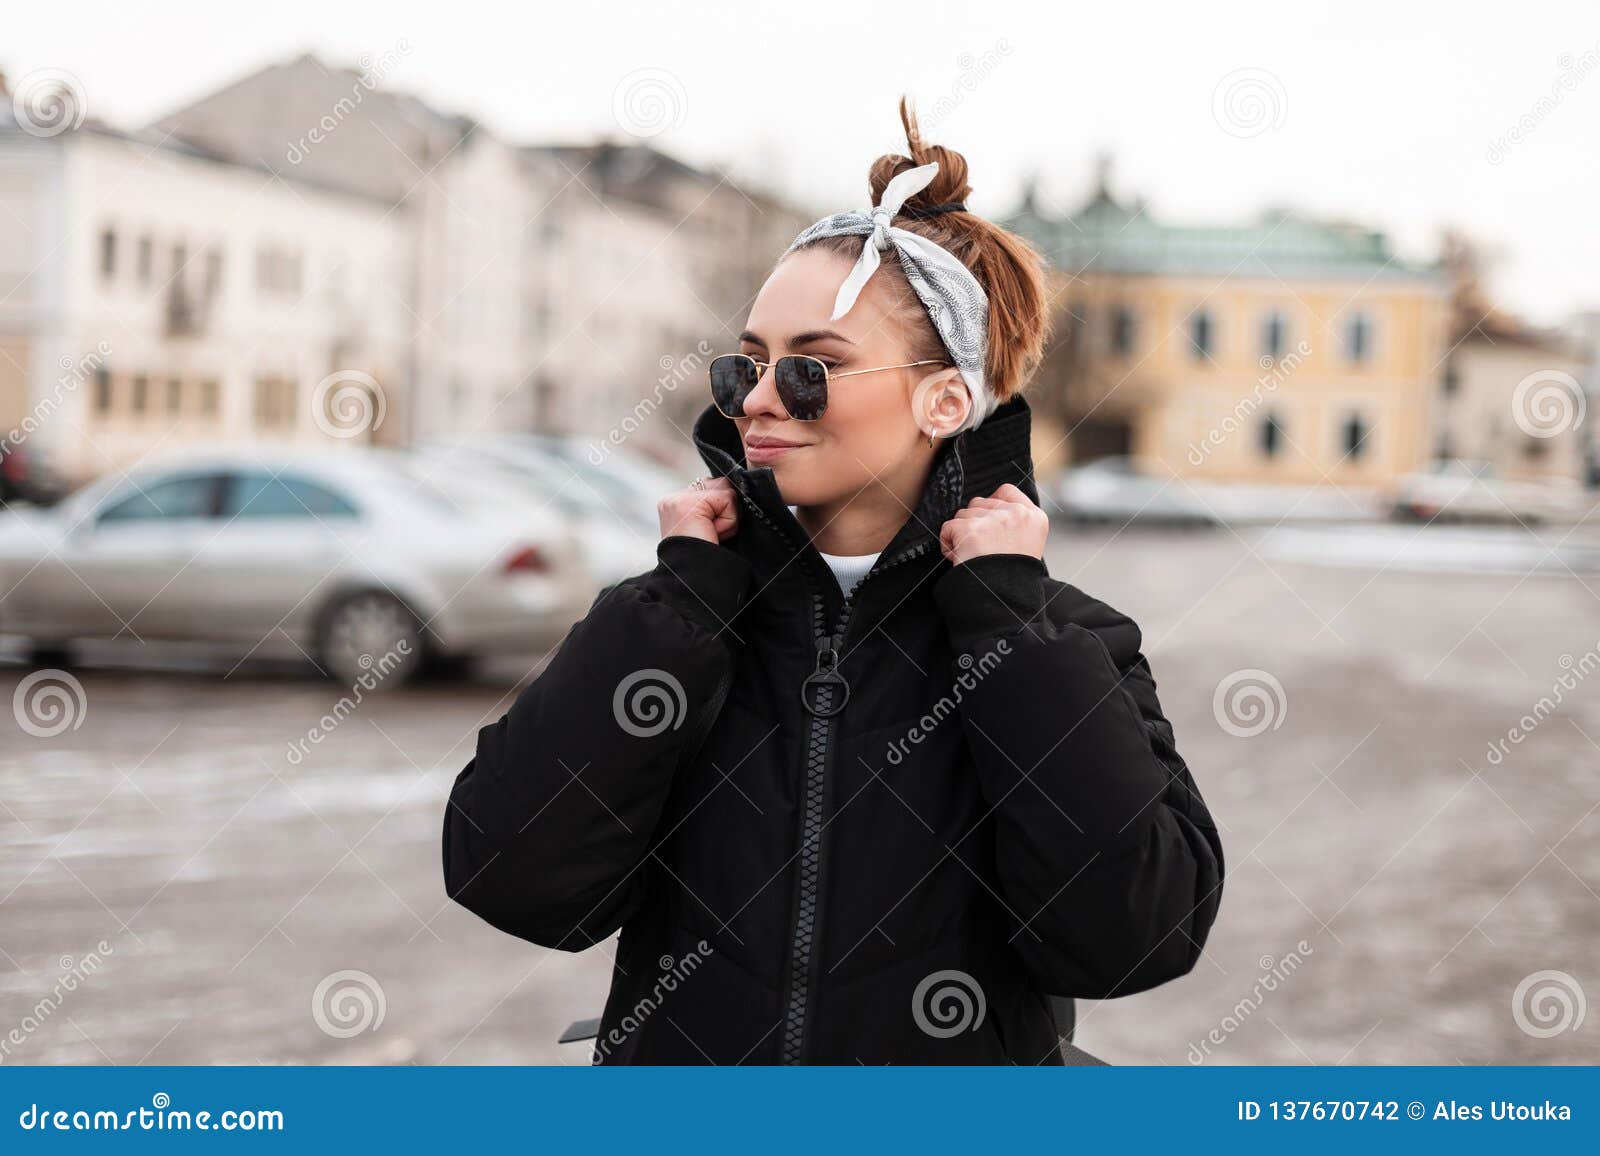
(698, 484)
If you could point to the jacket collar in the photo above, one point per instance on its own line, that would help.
(972, 464)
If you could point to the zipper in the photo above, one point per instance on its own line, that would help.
(823, 693)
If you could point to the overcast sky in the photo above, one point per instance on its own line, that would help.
(1394, 114)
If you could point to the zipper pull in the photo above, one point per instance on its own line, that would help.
(826, 674)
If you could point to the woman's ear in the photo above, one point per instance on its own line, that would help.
(940, 403)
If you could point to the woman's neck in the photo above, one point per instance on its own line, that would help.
(864, 522)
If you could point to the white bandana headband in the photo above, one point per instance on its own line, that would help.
(955, 301)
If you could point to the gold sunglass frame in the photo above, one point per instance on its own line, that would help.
(827, 377)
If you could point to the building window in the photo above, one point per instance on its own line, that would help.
(180, 258)
(108, 253)
(141, 393)
(1201, 336)
(1122, 331)
(174, 394)
(1274, 334)
(213, 272)
(1355, 437)
(274, 403)
(208, 398)
(1451, 382)
(144, 265)
(102, 390)
(1358, 338)
(277, 270)
(1271, 436)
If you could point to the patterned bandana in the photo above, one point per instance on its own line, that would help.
(956, 303)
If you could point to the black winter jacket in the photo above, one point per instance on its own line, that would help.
(875, 829)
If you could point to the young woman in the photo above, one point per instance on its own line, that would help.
(857, 780)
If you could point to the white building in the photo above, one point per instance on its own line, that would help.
(305, 221)
(220, 297)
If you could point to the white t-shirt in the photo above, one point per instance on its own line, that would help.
(847, 568)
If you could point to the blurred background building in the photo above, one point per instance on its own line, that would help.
(1310, 344)
(305, 222)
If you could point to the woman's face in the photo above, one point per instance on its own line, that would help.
(870, 433)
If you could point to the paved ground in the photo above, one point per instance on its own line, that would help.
(1367, 819)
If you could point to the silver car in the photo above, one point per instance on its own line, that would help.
(361, 558)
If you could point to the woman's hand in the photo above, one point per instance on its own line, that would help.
(710, 513)
(1006, 522)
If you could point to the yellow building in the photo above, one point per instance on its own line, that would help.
(1287, 350)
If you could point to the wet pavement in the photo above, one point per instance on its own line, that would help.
(179, 884)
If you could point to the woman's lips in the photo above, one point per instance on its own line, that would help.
(760, 451)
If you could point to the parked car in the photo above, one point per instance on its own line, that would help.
(344, 555)
(1463, 490)
(625, 477)
(616, 539)
(1120, 489)
(25, 478)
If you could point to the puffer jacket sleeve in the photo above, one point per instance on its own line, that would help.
(549, 824)
(1109, 862)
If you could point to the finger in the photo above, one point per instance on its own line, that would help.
(1010, 493)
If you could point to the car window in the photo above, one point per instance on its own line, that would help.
(188, 496)
(262, 494)
(451, 486)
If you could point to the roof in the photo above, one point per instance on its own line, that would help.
(1106, 235)
(633, 171)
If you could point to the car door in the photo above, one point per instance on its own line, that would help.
(124, 571)
(284, 540)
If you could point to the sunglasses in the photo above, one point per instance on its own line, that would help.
(801, 381)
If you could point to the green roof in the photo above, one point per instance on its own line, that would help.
(1107, 236)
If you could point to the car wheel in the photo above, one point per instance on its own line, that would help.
(370, 635)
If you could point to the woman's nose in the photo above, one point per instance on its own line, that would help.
(763, 400)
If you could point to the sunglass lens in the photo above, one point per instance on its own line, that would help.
(802, 387)
(733, 376)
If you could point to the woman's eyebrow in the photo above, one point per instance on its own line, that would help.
(809, 337)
